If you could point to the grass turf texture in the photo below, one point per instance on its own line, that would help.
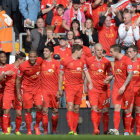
(67, 137)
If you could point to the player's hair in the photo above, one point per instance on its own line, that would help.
(104, 51)
(50, 47)
(32, 51)
(78, 38)
(76, 47)
(126, 11)
(20, 55)
(2, 52)
(116, 48)
(60, 6)
(134, 47)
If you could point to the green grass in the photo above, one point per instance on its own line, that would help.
(67, 137)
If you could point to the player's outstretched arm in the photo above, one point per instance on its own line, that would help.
(60, 84)
(18, 86)
(128, 79)
(89, 80)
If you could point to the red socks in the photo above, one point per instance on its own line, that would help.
(137, 123)
(70, 119)
(18, 123)
(45, 122)
(75, 122)
(1, 122)
(94, 119)
(38, 118)
(116, 119)
(28, 120)
(5, 122)
(105, 121)
(127, 123)
(54, 122)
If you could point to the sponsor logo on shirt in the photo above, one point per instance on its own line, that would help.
(38, 73)
(50, 70)
(78, 69)
(136, 72)
(119, 71)
(100, 71)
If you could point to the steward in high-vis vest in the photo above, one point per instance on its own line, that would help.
(6, 32)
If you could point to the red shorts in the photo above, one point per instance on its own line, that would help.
(32, 97)
(1, 100)
(98, 98)
(74, 94)
(136, 96)
(125, 100)
(8, 102)
(50, 100)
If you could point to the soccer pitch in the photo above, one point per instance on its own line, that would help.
(67, 137)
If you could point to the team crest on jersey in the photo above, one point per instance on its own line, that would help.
(50, 70)
(130, 66)
(136, 72)
(38, 73)
(118, 70)
(100, 71)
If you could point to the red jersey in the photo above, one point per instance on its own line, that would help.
(30, 74)
(107, 37)
(121, 69)
(136, 73)
(49, 75)
(96, 12)
(134, 18)
(88, 13)
(58, 28)
(2, 83)
(65, 3)
(10, 81)
(73, 70)
(86, 52)
(62, 53)
(98, 69)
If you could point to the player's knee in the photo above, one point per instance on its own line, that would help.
(28, 110)
(70, 108)
(55, 111)
(45, 111)
(76, 109)
(94, 108)
(39, 108)
(137, 109)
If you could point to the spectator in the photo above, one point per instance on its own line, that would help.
(48, 10)
(98, 8)
(12, 9)
(75, 27)
(73, 13)
(86, 8)
(57, 20)
(128, 33)
(29, 9)
(91, 32)
(70, 37)
(62, 50)
(46, 39)
(34, 35)
(6, 33)
(108, 31)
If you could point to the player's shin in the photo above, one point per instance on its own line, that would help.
(94, 119)
(105, 121)
(28, 120)
(45, 123)
(127, 120)
(75, 122)
(70, 119)
(54, 122)
(117, 119)
(38, 118)
(18, 122)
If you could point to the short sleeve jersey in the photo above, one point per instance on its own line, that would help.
(49, 75)
(121, 69)
(73, 70)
